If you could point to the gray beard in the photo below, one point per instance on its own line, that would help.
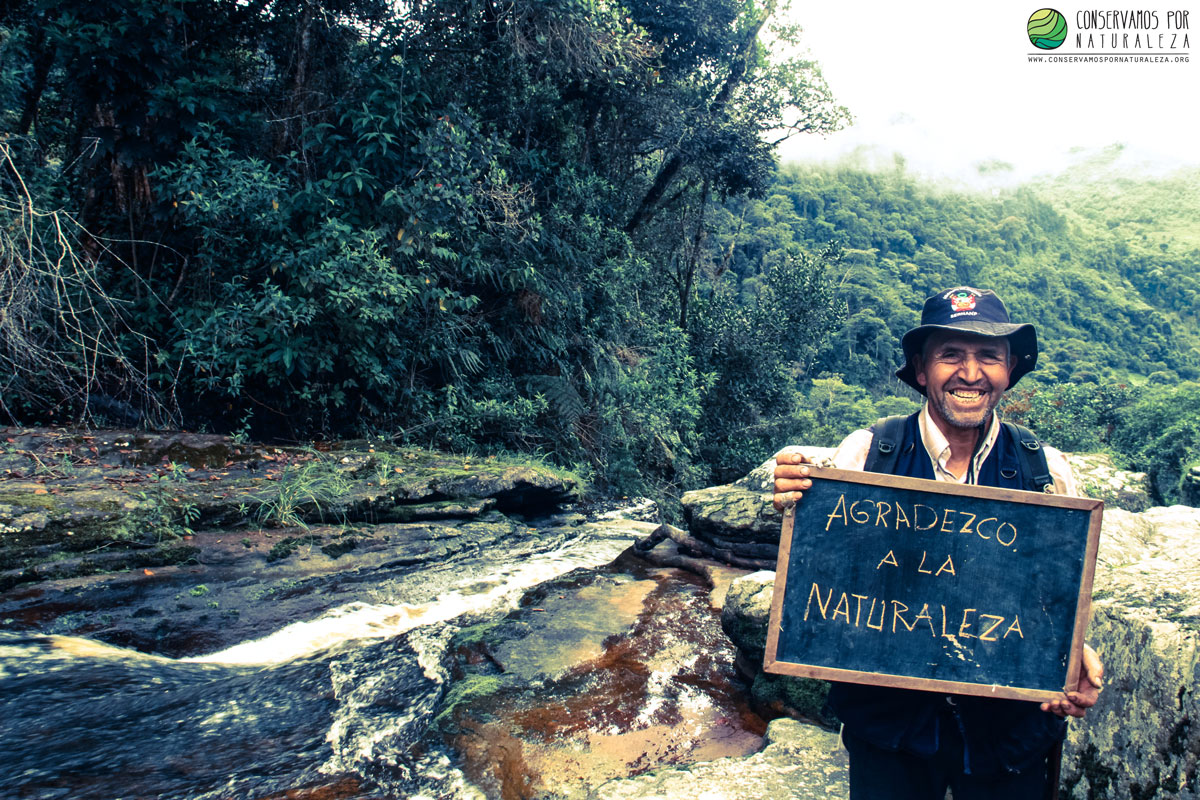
(959, 420)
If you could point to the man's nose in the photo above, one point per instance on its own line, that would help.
(970, 369)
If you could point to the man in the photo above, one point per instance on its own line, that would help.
(910, 745)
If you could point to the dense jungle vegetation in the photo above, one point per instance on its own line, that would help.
(544, 226)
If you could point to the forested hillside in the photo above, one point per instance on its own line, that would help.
(1108, 269)
(1106, 265)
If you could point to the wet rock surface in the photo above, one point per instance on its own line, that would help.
(243, 584)
(597, 676)
(353, 622)
(639, 679)
(182, 544)
(85, 720)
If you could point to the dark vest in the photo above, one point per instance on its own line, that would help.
(998, 735)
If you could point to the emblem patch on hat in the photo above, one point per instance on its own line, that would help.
(962, 301)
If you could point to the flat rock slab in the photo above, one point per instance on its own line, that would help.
(739, 516)
(570, 628)
(75, 504)
(800, 762)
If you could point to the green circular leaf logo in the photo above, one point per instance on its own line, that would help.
(1047, 29)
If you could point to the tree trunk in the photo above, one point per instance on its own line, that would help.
(42, 62)
(689, 279)
(670, 168)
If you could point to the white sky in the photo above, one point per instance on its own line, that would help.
(949, 84)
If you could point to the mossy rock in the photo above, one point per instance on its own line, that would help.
(465, 692)
(794, 697)
(747, 609)
(485, 634)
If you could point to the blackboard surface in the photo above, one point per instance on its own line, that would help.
(933, 585)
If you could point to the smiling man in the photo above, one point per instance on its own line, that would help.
(911, 745)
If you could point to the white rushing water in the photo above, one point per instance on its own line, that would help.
(350, 692)
(488, 589)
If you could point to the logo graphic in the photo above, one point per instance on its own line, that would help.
(962, 301)
(1047, 29)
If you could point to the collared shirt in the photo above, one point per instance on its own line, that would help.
(853, 451)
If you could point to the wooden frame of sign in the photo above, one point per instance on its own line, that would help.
(931, 585)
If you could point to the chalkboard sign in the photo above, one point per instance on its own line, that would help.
(930, 585)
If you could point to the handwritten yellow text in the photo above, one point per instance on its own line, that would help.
(919, 517)
(895, 616)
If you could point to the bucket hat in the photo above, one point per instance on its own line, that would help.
(965, 309)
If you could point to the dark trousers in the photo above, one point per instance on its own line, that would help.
(878, 774)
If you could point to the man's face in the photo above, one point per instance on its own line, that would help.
(964, 376)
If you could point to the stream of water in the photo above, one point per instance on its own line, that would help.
(338, 702)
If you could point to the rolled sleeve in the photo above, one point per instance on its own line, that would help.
(1060, 471)
(852, 452)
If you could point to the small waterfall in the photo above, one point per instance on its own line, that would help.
(347, 694)
(473, 586)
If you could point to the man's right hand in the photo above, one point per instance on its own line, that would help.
(791, 479)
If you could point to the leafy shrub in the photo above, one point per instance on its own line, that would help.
(1072, 416)
(754, 355)
(1160, 435)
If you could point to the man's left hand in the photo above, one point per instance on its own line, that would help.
(1087, 690)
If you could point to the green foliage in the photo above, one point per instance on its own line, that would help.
(460, 223)
(187, 514)
(1160, 435)
(162, 518)
(176, 472)
(1143, 229)
(304, 491)
(754, 353)
(651, 426)
(1151, 428)
(1083, 262)
(831, 409)
(1073, 417)
(312, 315)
